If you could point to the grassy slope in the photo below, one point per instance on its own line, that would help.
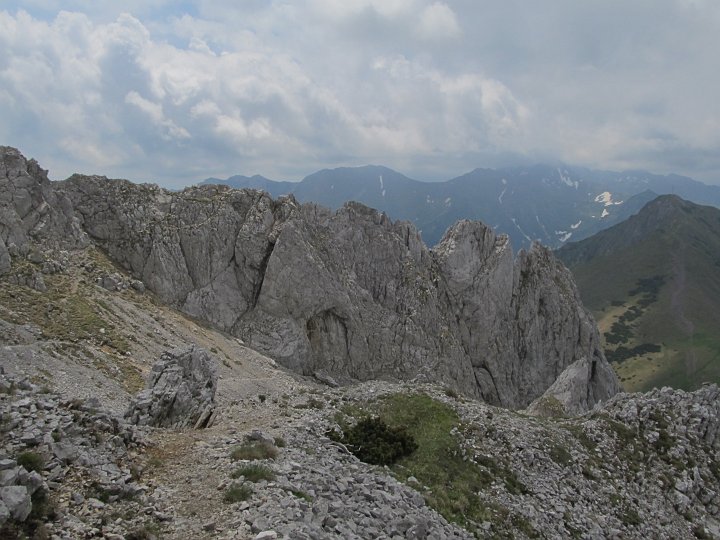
(684, 248)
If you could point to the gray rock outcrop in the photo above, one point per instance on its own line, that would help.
(31, 209)
(348, 295)
(575, 390)
(180, 391)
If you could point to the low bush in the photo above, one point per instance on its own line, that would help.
(237, 493)
(254, 450)
(373, 441)
(32, 461)
(254, 473)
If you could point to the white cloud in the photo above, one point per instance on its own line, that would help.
(155, 113)
(144, 90)
(438, 21)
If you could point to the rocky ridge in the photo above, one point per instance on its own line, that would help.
(637, 466)
(343, 296)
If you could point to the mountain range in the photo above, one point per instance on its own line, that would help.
(553, 205)
(106, 283)
(652, 285)
(343, 296)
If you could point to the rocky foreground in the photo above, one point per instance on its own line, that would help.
(642, 466)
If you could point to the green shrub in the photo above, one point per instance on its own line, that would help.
(254, 473)
(560, 455)
(32, 461)
(280, 442)
(235, 494)
(254, 450)
(301, 495)
(700, 532)
(372, 441)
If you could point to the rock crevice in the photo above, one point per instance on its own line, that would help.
(466, 313)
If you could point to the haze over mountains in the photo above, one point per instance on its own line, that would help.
(652, 284)
(553, 205)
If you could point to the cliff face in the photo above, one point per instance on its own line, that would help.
(345, 295)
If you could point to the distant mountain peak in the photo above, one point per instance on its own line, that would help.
(550, 203)
(651, 282)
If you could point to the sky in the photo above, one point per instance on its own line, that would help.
(176, 91)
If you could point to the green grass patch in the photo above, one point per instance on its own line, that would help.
(254, 450)
(32, 461)
(560, 455)
(235, 494)
(62, 312)
(254, 473)
(455, 484)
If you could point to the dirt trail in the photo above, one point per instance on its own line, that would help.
(190, 466)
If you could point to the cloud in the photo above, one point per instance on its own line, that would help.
(176, 91)
(438, 21)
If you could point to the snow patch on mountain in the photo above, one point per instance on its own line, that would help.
(564, 236)
(567, 180)
(606, 198)
(576, 225)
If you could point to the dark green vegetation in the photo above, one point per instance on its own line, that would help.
(453, 485)
(43, 510)
(372, 441)
(32, 461)
(653, 284)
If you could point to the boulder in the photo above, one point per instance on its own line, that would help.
(579, 387)
(17, 500)
(180, 391)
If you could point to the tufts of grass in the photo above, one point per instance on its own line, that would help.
(302, 495)
(236, 493)
(312, 403)
(32, 461)
(254, 473)
(280, 442)
(253, 451)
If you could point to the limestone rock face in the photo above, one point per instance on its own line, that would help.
(583, 383)
(180, 391)
(32, 210)
(347, 295)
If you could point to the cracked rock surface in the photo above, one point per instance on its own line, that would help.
(348, 295)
